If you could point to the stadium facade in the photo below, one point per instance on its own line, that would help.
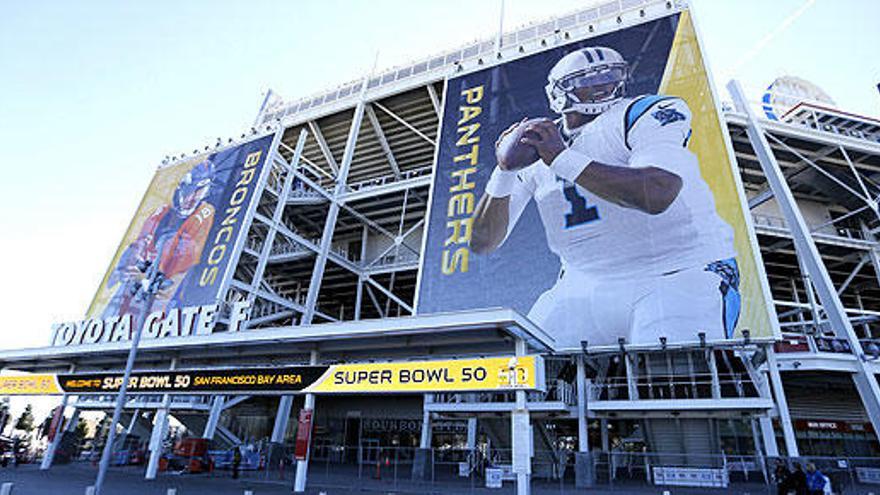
(330, 263)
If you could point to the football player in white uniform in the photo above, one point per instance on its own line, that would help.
(644, 253)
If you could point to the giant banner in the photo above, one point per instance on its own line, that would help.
(590, 187)
(181, 240)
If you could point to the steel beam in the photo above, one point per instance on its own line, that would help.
(864, 378)
(322, 144)
(333, 213)
(214, 417)
(160, 426)
(383, 142)
(862, 262)
(435, 99)
(405, 123)
(282, 418)
(277, 216)
(766, 194)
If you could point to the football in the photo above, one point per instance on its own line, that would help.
(513, 153)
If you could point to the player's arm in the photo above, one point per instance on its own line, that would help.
(499, 208)
(646, 188)
(491, 218)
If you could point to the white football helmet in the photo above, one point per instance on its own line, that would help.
(585, 68)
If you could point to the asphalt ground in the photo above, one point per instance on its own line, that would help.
(74, 478)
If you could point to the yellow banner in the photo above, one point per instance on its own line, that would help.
(522, 373)
(29, 385)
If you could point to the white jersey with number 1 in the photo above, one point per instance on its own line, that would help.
(603, 239)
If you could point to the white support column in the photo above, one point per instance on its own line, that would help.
(359, 296)
(759, 451)
(472, 433)
(873, 255)
(781, 404)
(160, 427)
(302, 466)
(713, 370)
(765, 421)
(632, 388)
(584, 476)
(71, 423)
(521, 435)
(282, 418)
(606, 443)
(133, 421)
(425, 440)
(768, 436)
(583, 437)
(863, 376)
(214, 417)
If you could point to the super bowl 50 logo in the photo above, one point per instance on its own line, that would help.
(514, 375)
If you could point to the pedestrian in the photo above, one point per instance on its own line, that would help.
(815, 480)
(236, 461)
(782, 476)
(798, 480)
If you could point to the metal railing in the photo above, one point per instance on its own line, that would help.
(475, 50)
(827, 344)
(557, 391)
(776, 222)
(673, 387)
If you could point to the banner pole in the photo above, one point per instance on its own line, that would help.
(499, 39)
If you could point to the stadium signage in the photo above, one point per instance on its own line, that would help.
(461, 203)
(176, 322)
(233, 213)
(522, 373)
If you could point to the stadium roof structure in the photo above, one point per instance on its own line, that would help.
(485, 332)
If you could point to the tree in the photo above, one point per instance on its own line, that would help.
(25, 422)
(102, 428)
(82, 428)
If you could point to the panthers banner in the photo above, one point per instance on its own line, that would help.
(590, 186)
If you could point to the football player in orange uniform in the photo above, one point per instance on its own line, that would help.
(173, 237)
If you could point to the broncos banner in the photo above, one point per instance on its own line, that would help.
(503, 373)
(180, 241)
(590, 186)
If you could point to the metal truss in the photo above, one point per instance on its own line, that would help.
(337, 231)
(842, 186)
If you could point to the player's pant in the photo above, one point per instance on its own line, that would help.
(641, 308)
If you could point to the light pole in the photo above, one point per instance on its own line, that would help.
(147, 289)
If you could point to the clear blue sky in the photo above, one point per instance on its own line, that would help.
(94, 94)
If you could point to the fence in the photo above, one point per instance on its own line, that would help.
(453, 470)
